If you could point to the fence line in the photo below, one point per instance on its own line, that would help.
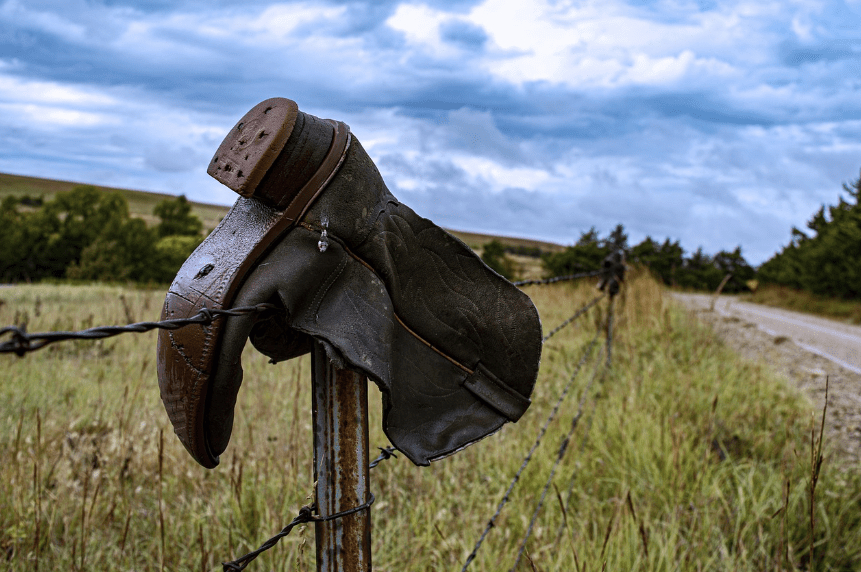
(542, 431)
(563, 447)
(612, 275)
(558, 278)
(576, 315)
(306, 514)
(22, 343)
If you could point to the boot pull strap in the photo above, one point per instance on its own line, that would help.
(300, 203)
(496, 393)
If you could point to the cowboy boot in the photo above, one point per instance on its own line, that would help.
(453, 346)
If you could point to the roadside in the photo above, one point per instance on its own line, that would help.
(803, 348)
(846, 311)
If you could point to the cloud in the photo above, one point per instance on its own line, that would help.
(168, 158)
(713, 123)
(476, 133)
(463, 34)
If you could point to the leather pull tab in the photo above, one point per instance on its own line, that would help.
(494, 392)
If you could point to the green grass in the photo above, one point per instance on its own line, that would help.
(686, 458)
(802, 301)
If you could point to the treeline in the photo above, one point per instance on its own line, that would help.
(666, 261)
(826, 260)
(88, 234)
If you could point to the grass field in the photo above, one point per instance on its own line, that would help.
(782, 297)
(685, 459)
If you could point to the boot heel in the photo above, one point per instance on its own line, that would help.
(252, 146)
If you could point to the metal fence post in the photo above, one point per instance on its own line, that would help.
(340, 409)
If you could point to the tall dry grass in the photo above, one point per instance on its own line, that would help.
(685, 459)
(848, 311)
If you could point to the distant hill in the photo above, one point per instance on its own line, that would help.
(141, 204)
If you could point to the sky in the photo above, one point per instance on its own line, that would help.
(718, 124)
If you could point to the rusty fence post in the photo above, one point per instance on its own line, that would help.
(340, 409)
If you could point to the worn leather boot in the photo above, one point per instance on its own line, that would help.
(453, 346)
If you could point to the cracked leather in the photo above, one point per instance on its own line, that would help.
(453, 346)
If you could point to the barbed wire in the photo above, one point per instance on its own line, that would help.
(22, 342)
(306, 514)
(613, 277)
(528, 458)
(576, 315)
(386, 453)
(558, 278)
(572, 481)
(563, 447)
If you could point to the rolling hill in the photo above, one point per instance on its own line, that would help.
(141, 204)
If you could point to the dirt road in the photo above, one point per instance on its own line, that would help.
(805, 349)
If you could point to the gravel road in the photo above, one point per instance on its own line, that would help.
(805, 349)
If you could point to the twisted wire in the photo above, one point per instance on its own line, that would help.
(558, 278)
(21, 342)
(528, 458)
(559, 456)
(572, 479)
(385, 454)
(306, 514)
(576, 315)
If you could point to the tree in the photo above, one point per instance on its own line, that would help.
(12, 237)
(85, 213)
(124, 251)
(176, 218)
(828, 261)
(170, 253)
(734, 263)
(586, 255)
(618, 239)
(43, 243)
(699, 272)
(493, 254)
(664, 260)
(88, 234)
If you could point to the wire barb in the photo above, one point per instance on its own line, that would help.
(22, 343)
(306, 514)
(386, 453)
